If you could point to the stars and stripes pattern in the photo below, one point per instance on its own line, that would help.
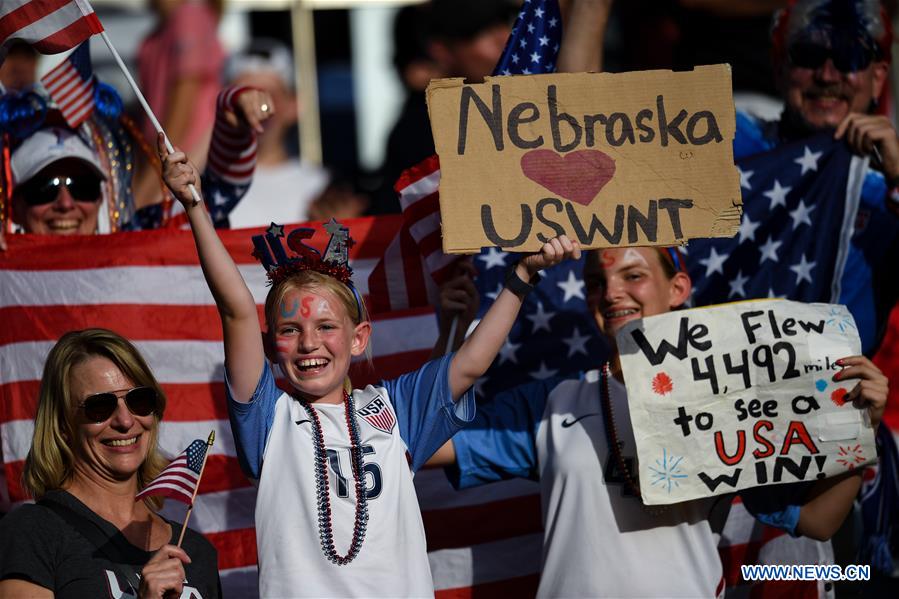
(799, 206)
(51, 26)
(71, 86)
(180, 479)
(148, 286)
(400, 281)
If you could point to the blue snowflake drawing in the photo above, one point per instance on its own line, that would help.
(840, 318)
(668, 471)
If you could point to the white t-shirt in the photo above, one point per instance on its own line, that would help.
(599, 541)
(401, 423)
(279, 194)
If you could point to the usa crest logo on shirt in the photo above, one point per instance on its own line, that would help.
(378, 414)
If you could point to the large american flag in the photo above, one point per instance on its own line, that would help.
(799, 202)
(179, 479)
(50, 26)
(71, 86)
(148, 287)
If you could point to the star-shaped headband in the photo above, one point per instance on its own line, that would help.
(269, 250)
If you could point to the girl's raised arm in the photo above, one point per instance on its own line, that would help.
(477, 353)
(244, 351)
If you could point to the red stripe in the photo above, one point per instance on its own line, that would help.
(70, 36)
(26, 14)
(423, 208)
(416, 290)
(222, 473)
(475, 524)
(733, 556)
(54, 79)
(417, 172)
(167, 247)
(236, 548)
(522, 586)
(430, 243)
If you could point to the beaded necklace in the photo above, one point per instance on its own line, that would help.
(322, 493)
(605, 400)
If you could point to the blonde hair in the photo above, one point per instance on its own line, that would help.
(50, 462)
(311, 279)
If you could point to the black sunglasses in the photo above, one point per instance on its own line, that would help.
(847, 58)
(141, 401)
(82, 187)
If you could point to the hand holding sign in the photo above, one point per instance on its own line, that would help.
(626, 159)
(770, 400)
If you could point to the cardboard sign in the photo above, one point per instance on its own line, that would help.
(741, 395)
(640, 158)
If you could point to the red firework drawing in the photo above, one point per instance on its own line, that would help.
(662, 384)
(852, 456)
(839, 396)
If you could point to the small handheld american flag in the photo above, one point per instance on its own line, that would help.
(71, 85)
(180, 479)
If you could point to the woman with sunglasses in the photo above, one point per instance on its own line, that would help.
(94, 449)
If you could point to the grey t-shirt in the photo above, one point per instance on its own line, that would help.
(40, 546)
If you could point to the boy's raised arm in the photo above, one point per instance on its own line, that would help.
(244, 350)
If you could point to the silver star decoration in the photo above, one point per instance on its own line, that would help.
(276, 230)
(522, 44)
(543, 372)
(772, 295)
(777, 195)
(803, 270)
(747, 229)
(535, 57)
(573, 287)
(809, 160)
(714, 263)
(801, 214)
(507, 352)
(553, 22)
(544, 41)
(769, 250)
(333, 227)
(493, 257)
(744, 178)
(737, 285)
(507, 72)
(577, 343)
(539, 13)
(530, 28)
(218, 198)
(514, 58)
(526, 71)
(540, 318)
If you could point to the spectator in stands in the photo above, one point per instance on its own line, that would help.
(51, 192)
(284, 186)
(463, 38)
(94, 449)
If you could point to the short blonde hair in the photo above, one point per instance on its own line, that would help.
(50, 461)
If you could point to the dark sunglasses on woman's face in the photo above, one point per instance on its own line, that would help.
(82, 188)
(849, 59)
(141, 401)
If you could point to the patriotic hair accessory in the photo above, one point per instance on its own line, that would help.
(677, 259)
(269, 250)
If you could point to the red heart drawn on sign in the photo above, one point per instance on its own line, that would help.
(838, 396)
(577, 176)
